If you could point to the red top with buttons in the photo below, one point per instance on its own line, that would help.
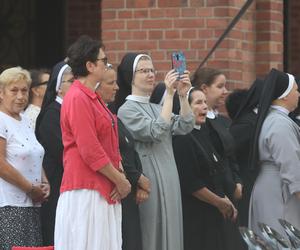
(90, 138)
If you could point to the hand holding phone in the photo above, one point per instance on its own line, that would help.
(184, 84)
(179, 62)
(171, 81)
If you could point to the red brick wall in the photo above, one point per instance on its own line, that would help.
(269, 38)
(159, 27)
(293, 29)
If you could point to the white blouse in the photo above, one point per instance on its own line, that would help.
(32, 112)
(25, 154)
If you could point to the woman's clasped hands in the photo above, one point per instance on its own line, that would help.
(39, 192)
(143, 189)
(227, 209)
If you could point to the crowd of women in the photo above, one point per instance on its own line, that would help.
(94, 158)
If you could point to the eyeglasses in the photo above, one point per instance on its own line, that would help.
(147, 71)
(69, 81)
(104, 60)
(38, 84)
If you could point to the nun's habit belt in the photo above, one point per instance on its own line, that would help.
(274, 171)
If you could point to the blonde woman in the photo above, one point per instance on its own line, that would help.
(23, 184)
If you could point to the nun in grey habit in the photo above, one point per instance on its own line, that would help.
(152, 127)
(276, 154)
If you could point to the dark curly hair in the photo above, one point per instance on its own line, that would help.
(234, 101)
(85, 49)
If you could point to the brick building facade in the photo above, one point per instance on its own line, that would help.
(159, 27)
(266, 36)
(293, 37)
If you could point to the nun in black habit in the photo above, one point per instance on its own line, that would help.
(48, 133)
(213, 83)
(276, 155)
(242, 130)
(131, 227)
(206, 190)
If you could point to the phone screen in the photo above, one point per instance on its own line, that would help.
(178, 62)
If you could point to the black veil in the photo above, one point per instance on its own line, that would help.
(50, 94)
(275, 83)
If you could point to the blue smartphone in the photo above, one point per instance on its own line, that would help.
(179, 62)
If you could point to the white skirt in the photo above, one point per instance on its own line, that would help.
(85, 221)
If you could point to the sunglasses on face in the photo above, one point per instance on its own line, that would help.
(104, 60)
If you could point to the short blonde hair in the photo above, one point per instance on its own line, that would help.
(13, 75)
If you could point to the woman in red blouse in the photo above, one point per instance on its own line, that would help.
(88, 211)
